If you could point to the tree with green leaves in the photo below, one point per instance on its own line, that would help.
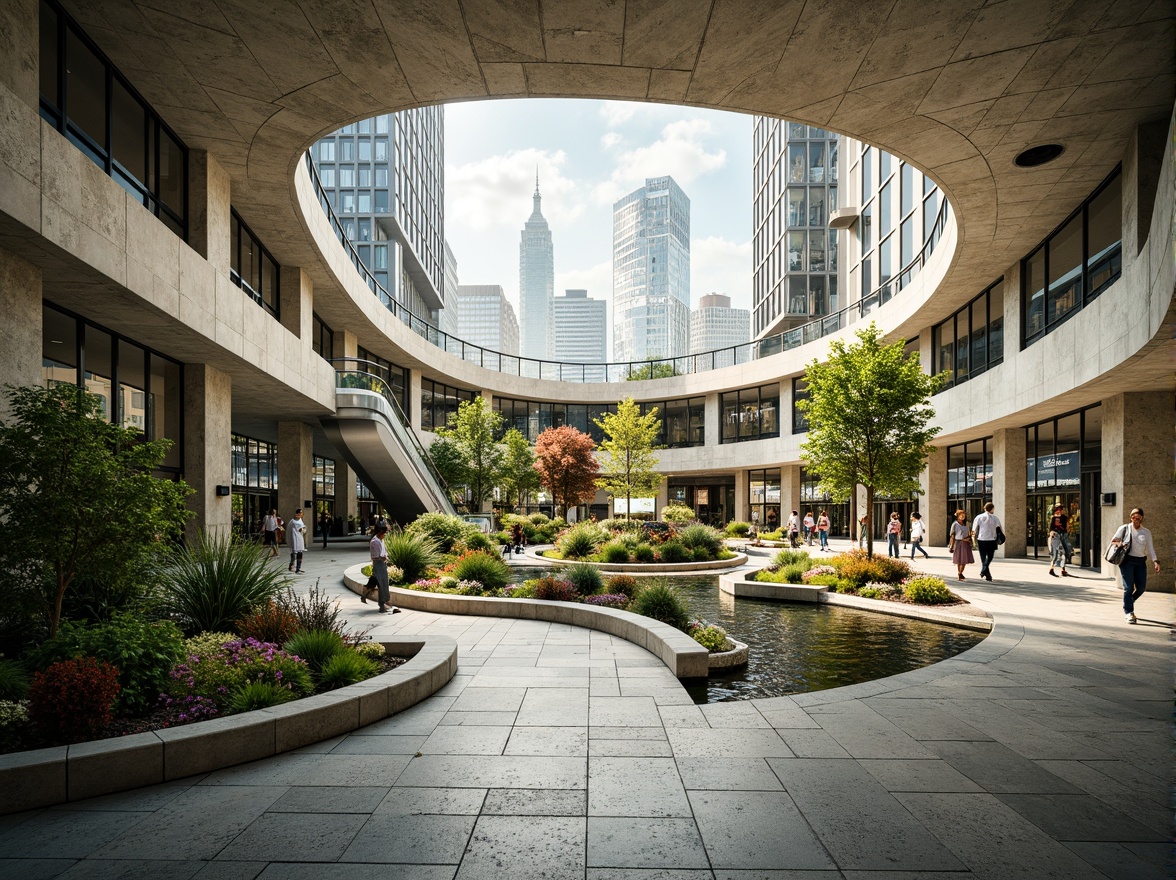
(519, 477)
(869, 409)
(450, 464)
(628, 459)
(78, 500)
(651, 370)
(473, 429)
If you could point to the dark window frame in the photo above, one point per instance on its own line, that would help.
(258, 296)
(953, 319)
(322, 337)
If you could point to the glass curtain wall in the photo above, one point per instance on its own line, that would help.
(763, 498)
(254, 466)
(252, 268)
(439, 402)
(323, 480)
(814, 500)
(750, 414)
(1063, 465)
(971, 340)
(969, 479)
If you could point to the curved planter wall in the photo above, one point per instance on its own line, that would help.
(44, 777)
(684, 656)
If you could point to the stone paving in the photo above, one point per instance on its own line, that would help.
(558, 752)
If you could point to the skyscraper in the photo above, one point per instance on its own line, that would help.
(714, 324)
(580, 324)
(536, 284)
(485, 317)
(651, 272)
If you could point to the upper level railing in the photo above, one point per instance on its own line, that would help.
(659, 368)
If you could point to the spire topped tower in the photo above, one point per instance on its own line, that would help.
(536, 284)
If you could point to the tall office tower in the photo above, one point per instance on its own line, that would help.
(385, 179)
(536, 284)
(580, 323)
(714, 324)
(448, 317)
(485, 317)
(795, 253)
(651, 272)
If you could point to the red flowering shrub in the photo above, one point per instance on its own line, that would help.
(268, 622)
(72, 699)
(556, 590)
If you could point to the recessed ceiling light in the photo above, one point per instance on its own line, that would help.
(1038, 155)
(56, 342)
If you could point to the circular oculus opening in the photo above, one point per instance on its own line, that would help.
(1038, 155)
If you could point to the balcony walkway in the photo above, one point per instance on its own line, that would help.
(562, 753)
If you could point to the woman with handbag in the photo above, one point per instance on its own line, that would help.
(960, 543)
(1138, 541)
(1060, 549)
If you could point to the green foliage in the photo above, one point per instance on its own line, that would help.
(625, 584)
(525, 590)
(207, 643)
(214, 582)
(869, 412)
(444, 530)
(143, 652)
(14, 721)
(316, 647)
(927, 590)
(662, 602)
(450, 463)
(738, 529)
(412, 554)
(584, 577)
(824, 580)
(675, 551)
(476, 540)
(627, 457)
(581, 540)
(644, 553)
(677, 513)
(700, 537)
(371, 650)
(78, 499)
(488, 569)
(472, 430)
(14, 681)
(518, 478)
(860, 569)
(651, 370)
(615, 553)
(346, 668)
(711, 637)
(792, 573)
(620, 525)
(258, 695)
(566, 465)
(789, 557)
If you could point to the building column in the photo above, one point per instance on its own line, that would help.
(208, 416)
(933, 503)
(663, 497)
(19, 49)
(1008, 489)
(296, 302)
(414, 399)
(20, 303)
(346, 500)
(295, 477)
(1137, 467)
(742, 514)
(712, 426)
(789, 491)
(345, 344)
(209, 200)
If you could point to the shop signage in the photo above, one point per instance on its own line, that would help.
(1053, 471)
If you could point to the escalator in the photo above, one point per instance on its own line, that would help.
(370, 430)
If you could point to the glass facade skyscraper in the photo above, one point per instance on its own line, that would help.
(536, 285)
(651, 272)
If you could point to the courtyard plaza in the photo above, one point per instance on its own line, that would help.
(559, 752)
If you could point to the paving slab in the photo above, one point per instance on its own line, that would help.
(526, 848)
(756, 829)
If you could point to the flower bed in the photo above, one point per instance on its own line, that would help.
(853, 573)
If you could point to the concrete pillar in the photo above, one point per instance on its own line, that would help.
(345, 344)
(209, 198)
(1137, 467)
(1008, 489)
(663, 498)
(346, 501)
(790, 491)
(20, 304)
(20, 49)
(296, 302)
(712, 425)
(208, 416)
(295, 483)
(414, 399)
(742, 513)
(933, 503)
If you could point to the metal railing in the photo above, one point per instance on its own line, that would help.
(355, 374)
(534, 368)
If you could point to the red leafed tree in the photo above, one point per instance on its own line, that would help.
(567, 468)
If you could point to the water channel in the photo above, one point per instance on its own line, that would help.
(797, 648)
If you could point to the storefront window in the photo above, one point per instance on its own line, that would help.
(1063, 465)
(750, 414)
(254, 468)
(763, 498)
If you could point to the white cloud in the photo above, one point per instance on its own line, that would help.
(610, 139)
(680, 152)
(616, 113)
(495, 192)
(718, 265)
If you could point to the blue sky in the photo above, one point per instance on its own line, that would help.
(589, 153)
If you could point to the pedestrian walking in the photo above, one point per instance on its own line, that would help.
(960, 543)
(296, 531)
(379, 554)
(324, 527)
(893, 533)
(810, 526)
(1133, 568)
(823, 530)
(269, 528)
(863, 526)
(1060, 549)
(918, 533)
(988, 535)
(794, 530)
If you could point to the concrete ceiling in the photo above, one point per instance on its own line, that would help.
(958, 87)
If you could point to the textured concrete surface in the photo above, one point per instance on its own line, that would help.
(559, 752)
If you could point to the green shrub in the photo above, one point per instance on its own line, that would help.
(738, 529)
(784, 574)
(476, 540)
(644, 553)
(824, 580)
(581, 540)
(443, 530)
(662, 602)
(857, 567)
(711, 637)
(316, 647)
(525, 590)
(366, 571)
(625, 584)
(486, 568)
(14, 681)
(200, 686)
(142, 651)
(677, 513)
(258, 695)
(698, 536)
(14, 722)
(346, 668)
(584, 577)
(615, 552)
(701, 554)
(927, 590)
(371, 650)
(214, 581)
(789, 557)
(207, 643)
(675, 551)
(412, 554)
(620, 525)
(539, 519)
(313, 610)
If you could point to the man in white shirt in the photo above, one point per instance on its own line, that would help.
(296, 531)
(986, 527)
